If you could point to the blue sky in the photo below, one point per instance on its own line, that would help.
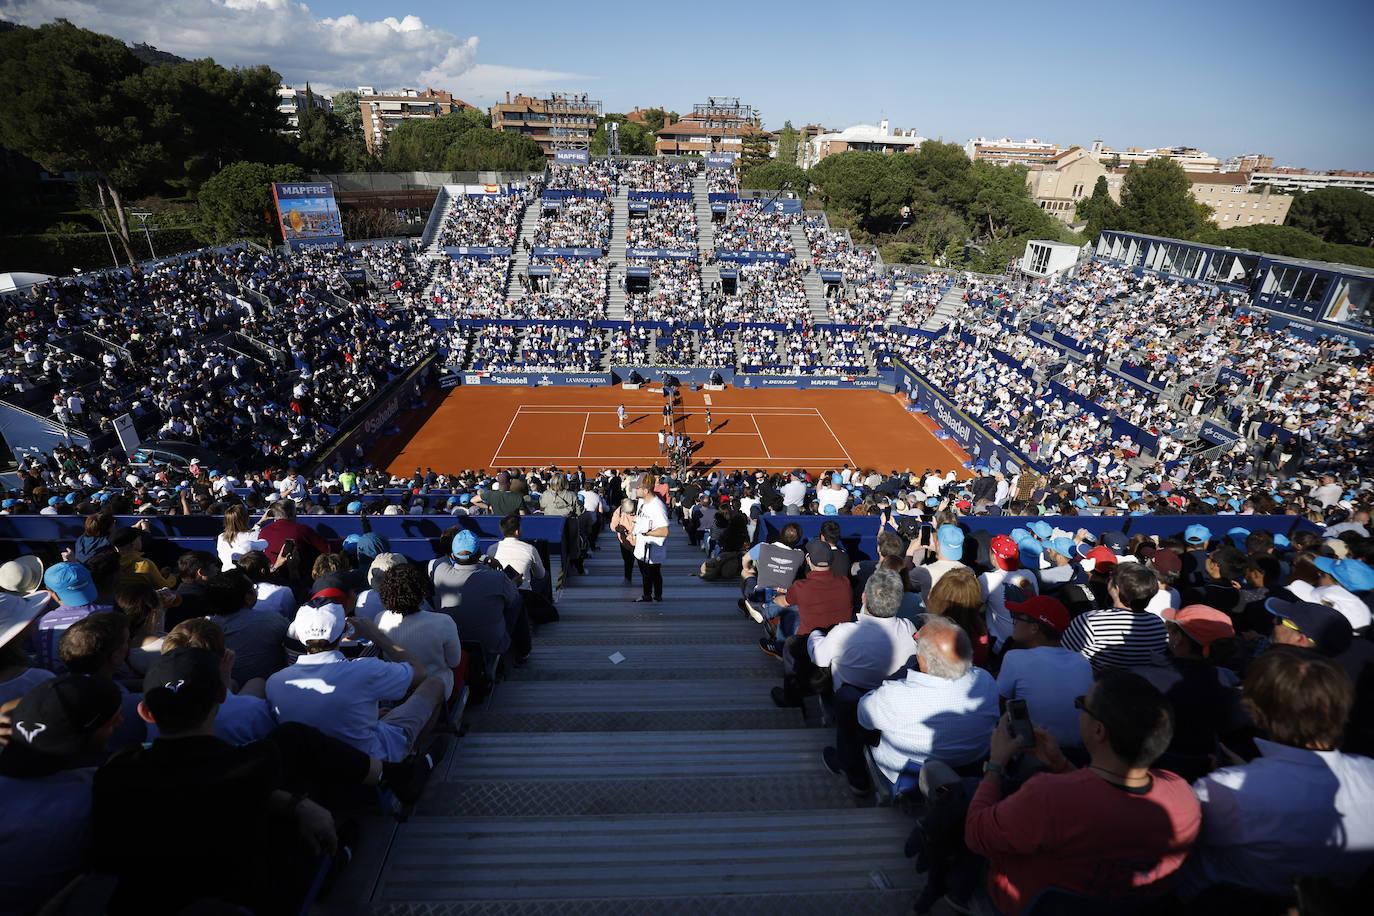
(1283, 79)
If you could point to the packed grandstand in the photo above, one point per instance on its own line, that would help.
(1113, 397)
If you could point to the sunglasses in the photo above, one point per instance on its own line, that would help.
(1081, 702)
(1285, 622)
(1024, 618)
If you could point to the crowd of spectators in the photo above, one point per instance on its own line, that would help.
(674, 292)
(1039, 683)
(765, 291)
(598, 175)
(484, 220)
(747, 227)
(471, 287)
(573, 288)
(657, 175)
(667, 224)
(722, 181)
(577, 222)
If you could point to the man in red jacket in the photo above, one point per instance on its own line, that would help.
(821, 600)
(1114, 829)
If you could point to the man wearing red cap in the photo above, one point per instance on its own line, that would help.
(1006, 559)
(1040, 671)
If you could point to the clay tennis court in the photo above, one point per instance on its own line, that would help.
(493, 427)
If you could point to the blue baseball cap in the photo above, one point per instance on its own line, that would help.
(372, 544)
(1197, 534)
(1353, 575)
(464, 498)
(1238, 536)
(951, 538)
(54, 500)
(465, 544)
(355, 507)
(1043, 530)
(1064, 546)
(1281, 540)
(72, 583)
(932, 502)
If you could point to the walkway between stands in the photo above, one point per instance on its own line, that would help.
(636, 764)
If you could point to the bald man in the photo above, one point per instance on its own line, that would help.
(946, 709)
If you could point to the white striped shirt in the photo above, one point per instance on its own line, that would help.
(1117, 638)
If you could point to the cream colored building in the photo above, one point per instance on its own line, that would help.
(1058, 184)
(879, 139)
(1191, 159)
(1234, 203)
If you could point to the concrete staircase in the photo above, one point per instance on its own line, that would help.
(899, 289)
(950, 302)
(636, 765)
(520, 258)
(620, 219)
(815, 288)
(615, 295)
(706, 233)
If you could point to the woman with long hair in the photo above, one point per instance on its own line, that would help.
(238, 537)
(958, 596)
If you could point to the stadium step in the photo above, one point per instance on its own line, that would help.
(636, 764)
(706, 233)
(949, 304)
(815, 287)
(520, 257)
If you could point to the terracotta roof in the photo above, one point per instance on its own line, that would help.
(1220, 177)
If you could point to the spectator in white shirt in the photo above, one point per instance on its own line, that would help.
(518, 555)
(860, 656)
(429, 637)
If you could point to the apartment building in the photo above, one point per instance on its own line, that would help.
(1235, 203)
(382, 111)
(562, 120)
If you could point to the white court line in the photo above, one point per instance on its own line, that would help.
(585, 424)
(759, 432)
(507, 435)
(836, 438)
(596, 408)
(632, 432)
(742, 462)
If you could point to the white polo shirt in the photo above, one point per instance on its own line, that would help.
(340, 698)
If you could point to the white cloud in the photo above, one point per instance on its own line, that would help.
(339, 52)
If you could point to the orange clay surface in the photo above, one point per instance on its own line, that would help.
(494, 427)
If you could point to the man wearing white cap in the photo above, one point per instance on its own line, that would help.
(341, 697)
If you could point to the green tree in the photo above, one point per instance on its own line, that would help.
(1157, 199)
(755, 149)
(237, 201)
(1002, 207)
(1099, 211)
(940, 173)
(874, 187)
(345, 106)
(326, 143)
(484, 149)
(1341, 216)
(422, 144)
(209, 116)
(656, 118)
(773, 174)
(73, 99)
(789, 139)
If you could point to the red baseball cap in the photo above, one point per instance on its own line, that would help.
(1102, 558)
(1204, 625)
(1005, 553)
(1049, 611)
